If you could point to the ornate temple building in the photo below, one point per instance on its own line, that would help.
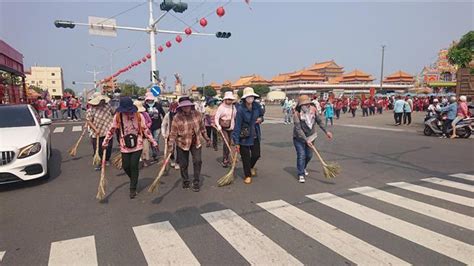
(355, 77)
(399, 77)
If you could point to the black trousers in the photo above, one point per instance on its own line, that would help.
(130, 162)
(398, 118)
(379, 110)
(365, 112)
(353, 111)
(250, 156)
(446, 126)
(372, 110)
(108, 152)
(227, 134)
(73, 114)
(338, 113)
(212, 134)
(183, 158)
(407, 118)
(344, 109)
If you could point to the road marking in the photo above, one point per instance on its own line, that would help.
(464, 176)
(161, 245)
(2, 253)
(372, 127)
(344, 244)
(78, 251)
(435, 193)
(440, 243)
(252, 244)
(447, 183)
(58, 130)
(419, 207)
(76, 128)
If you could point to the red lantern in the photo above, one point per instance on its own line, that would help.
(144, 59)
(203, 22)
(160, 48)
(220, 11)
(188, 31)
(139, 62)
(168, 44)
(148, 56)
(178, 39)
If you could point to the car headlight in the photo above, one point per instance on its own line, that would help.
(29, 150)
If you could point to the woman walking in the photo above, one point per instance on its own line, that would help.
(165, 131)
(225, 122)
(133, 129)
(209, 115)
(329, 113)
(145, 158)
(304, 134)
(247, 134)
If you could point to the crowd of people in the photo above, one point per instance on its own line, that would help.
(189, 125)
(66, 108)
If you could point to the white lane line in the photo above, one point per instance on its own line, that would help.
(448, 183)
(464, 176)
(2, 253)
(162, 245)
(78, 251)
(58, 130)
(76, 128)
(344, 244)
(447, 246)
(419, 207)
(434, 193)
(372, 127)
(252, 244)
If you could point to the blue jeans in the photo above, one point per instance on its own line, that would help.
(156, 135)
(303, 155)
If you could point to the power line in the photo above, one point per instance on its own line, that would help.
(123, 12)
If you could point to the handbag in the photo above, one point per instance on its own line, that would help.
(130, 140)
(225, 124)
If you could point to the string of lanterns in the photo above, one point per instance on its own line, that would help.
(220, 11)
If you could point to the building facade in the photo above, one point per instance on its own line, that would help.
(12, 77)
(47, 78)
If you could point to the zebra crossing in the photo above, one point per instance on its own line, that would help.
(64, 129)
(162, 243)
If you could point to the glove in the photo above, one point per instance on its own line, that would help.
(237, 148)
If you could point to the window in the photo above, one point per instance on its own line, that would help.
(40, 82)
(53, 82)
(32, 82)
(53, 74)
(54, 90)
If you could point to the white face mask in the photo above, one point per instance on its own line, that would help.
(305, 108)
(250, 99)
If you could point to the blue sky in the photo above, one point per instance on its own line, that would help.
(274, 37)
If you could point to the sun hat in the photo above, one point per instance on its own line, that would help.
(303, 99)
(249, 92)
(184, 103)
(97, 97)
(149, 97)
(139, 105)
(229, 95)
(126, 106)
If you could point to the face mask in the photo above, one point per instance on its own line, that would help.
(150, 104)
(305, 108)
(249, 99)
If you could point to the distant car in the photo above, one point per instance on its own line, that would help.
(25, 144)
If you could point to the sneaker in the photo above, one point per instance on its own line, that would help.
(196, 187)
(176, 167)
(442, 137)
(253, 171)
(133, 194)
(301, 179)
(98, 168)
(306, 173)
(225, 164)
(107, 163)
(172, 164)
(186, 185)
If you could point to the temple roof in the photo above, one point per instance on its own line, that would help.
(306, 75)
(323, 65)
(399, 76)
(249, 80)
(356, 75)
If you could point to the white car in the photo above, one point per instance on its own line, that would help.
(25, 144)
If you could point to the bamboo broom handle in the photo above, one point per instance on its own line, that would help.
(317, 154)
(226, 141)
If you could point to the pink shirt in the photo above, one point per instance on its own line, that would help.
(130, 126)
(462, 110)
(226, 112)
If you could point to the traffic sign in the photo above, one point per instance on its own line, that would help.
(156, 90)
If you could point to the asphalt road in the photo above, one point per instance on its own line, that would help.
(59, 221)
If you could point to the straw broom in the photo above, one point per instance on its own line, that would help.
(330, 169)
(101, 188)
(96, 159)
(73, 150)
(117, 160)
(156, 182)
(229, 177)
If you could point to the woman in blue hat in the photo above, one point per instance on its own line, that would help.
(133, 129)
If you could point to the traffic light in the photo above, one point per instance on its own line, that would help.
(180, 7)
(64, 24)
(167, 5)
(73, 83)
(221, 34)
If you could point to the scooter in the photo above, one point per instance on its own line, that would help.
(434, 125)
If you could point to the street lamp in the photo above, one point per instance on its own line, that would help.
(110, 53)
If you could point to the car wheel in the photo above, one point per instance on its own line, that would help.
(427, 131)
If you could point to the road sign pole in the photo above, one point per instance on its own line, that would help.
(152, 33)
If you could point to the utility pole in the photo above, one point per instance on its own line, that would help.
(381, 68)
(94, 72)
(203, 88)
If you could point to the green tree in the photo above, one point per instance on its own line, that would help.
(130, 88)
(261, 90)
(240, 92)
(461, 53)
(225, 89)
(70, 91)
(36, 89)
(207, 91)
